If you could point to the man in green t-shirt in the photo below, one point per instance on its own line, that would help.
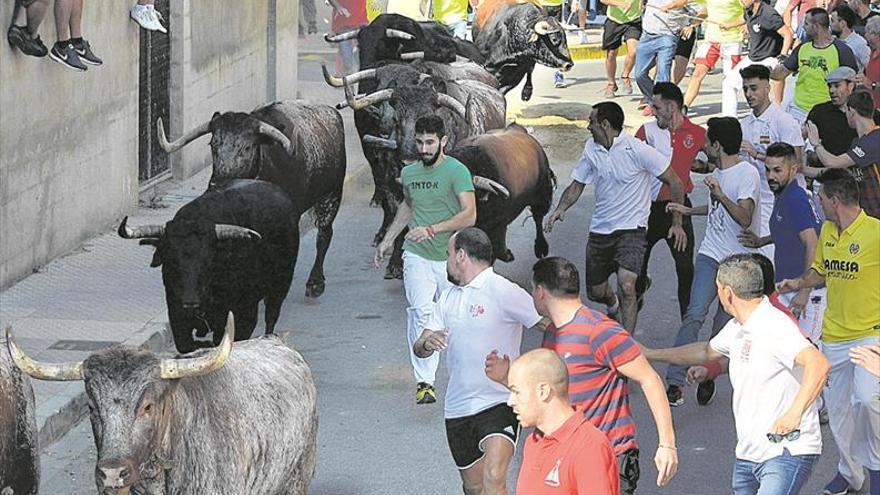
(452, 14)
(623, 24)
(438, 194)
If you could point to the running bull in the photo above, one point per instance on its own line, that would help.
(514, 36)
(233, 421)
(517, 161)
(19, 452)
(299, 146)
(226, 250)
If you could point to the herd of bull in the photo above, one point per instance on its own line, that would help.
(200, 422)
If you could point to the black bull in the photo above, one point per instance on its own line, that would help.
(299, 146)
(517, 161)
(226, 250)
(19, 459)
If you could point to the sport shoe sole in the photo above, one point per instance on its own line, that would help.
(705, 393)
(674, 396)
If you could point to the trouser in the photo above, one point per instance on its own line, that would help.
(659, 223)
(731, 86)
(628, 471)
(703, 294)
(423, 281)
(852, 398)
(810, 320)
(784, 474)
(654, 49)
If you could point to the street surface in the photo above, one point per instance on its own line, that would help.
(373, 439)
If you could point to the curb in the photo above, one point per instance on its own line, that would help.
(153, 337)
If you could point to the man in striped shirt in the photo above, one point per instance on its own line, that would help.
(600, 356)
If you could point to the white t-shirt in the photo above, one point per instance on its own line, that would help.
(488, 313)
(738, 182)
(765, 382)
(622, 176)
(773, 126)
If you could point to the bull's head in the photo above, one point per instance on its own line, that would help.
(235, 143)
(131, 403)
(549, 43)
(186, 250)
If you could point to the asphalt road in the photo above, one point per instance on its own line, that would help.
(373, 438)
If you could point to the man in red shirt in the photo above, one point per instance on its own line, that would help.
(601, 357)
(679, 140)
(565, 453)
(347, 15)
(871, 78)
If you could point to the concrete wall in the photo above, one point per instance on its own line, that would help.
(69, 141)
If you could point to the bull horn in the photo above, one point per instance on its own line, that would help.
(171, 369)
(397, 33)
(453, 104)
(544, 27)
(59, 372)
(338, 38)
(334, 81)
(225, 231)
(371, 99)
(142, 232)
(371, 140)
(183, 140)
(491, 186)
(272, 132)
(412, 56)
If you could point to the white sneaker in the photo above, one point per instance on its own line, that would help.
(141, 15)
(583, 38)
(157, 16)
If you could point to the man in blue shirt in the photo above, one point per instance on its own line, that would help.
(794, 230)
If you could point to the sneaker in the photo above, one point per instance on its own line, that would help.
(582, 38)
(558, 79)
(647, 111)
(705, 392)
(425, 393)
(141, 14)
(84, 50)
(673, 395)
(642, 104)
(627, 86)
(640, 299)
(609, 90)
(20, 38)
(66, 56)
(157, 16)
(837, 486)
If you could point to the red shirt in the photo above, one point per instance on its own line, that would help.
(593, 346)
(872, 71)
(681, 148)
(574, 459)
(358, 11)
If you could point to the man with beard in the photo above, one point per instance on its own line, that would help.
(830, 121)
(794, 230)
(842, 21)
(679, 140)
(767, 123)
(621, 167)
(481, 313)
(438, 200)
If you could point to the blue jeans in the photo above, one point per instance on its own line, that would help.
(703, 294)
(654, 49)
(458, 29)
(782, 475)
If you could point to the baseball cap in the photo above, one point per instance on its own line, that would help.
(839, 74)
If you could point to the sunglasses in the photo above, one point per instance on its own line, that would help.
(790, 436)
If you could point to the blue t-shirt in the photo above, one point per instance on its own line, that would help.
(792, 213)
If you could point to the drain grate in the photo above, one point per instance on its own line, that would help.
(81, 345)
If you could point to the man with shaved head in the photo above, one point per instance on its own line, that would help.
(565, 453)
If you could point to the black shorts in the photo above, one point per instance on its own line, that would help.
(628, 469)
(614, 34)
(466, 435)
(686, 46)
(619, 249)
(554, 11)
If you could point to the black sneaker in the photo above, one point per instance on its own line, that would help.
(673, 395)
(66, 56)
(20, 38)
(425, 393)
(84, 50)
(705, 392)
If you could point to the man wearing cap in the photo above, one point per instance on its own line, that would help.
(829, 118)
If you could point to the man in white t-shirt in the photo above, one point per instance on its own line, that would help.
(621, 168)
(776, 374)
(735, 191)
(481, 313)
(766, 124)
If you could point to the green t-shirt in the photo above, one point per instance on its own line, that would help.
(621, 16)
(433, 193)
(448, 12)
(813, 64)
(719, 12)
